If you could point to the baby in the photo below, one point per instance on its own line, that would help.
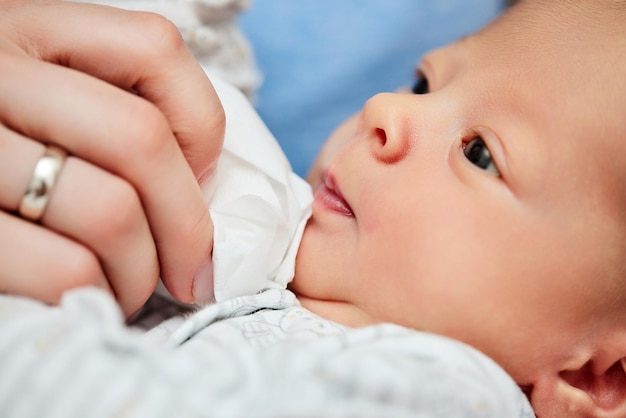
(489, 206)
(486, 207)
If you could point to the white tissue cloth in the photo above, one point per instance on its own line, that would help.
(259, 206)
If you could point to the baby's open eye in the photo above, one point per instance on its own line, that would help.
(478, 154)
(421, 84)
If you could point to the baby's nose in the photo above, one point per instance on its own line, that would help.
(387, 123)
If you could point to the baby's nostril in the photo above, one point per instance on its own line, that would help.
(382, 136)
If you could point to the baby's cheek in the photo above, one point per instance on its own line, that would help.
(342, 136)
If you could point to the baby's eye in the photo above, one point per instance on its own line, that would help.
(478, 154)
(421, 84)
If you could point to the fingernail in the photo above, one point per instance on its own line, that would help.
(203, 284)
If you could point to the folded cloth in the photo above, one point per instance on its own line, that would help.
(258, 205)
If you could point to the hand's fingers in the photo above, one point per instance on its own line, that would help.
(104, 213)
(137, 51)
(94, 209)
(124, 135)
(40, 264)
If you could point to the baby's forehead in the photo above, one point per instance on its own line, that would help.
(590, 34)
(569, 88)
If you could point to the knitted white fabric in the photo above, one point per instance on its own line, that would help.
(253, 356)
(210, 29)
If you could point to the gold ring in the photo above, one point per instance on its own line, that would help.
(45, 175)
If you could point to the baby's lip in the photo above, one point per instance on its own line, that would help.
(329, 194)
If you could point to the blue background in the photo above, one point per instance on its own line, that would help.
(322, 59)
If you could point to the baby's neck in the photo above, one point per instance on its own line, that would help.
(344, 313)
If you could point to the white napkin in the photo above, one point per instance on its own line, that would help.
(258, 205)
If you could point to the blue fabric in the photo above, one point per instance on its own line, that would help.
(322, 59)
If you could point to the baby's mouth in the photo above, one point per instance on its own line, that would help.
(329, 195)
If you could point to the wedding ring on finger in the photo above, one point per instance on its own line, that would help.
(45, 175)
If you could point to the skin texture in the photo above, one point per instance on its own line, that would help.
(527, 263)
(122, 94)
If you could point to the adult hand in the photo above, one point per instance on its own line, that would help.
(141, 123)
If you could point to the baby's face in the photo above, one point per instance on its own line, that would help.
(486, 208)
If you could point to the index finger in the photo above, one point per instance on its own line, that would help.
(137, 51)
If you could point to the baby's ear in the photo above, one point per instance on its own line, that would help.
(597, 389)
(604, 387)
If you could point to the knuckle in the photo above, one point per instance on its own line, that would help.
(197, 227)
(80, 268)
(160, 34)
(217, 123)
(117, 212)
(208, 139)
(202, 143)
(147, 131)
